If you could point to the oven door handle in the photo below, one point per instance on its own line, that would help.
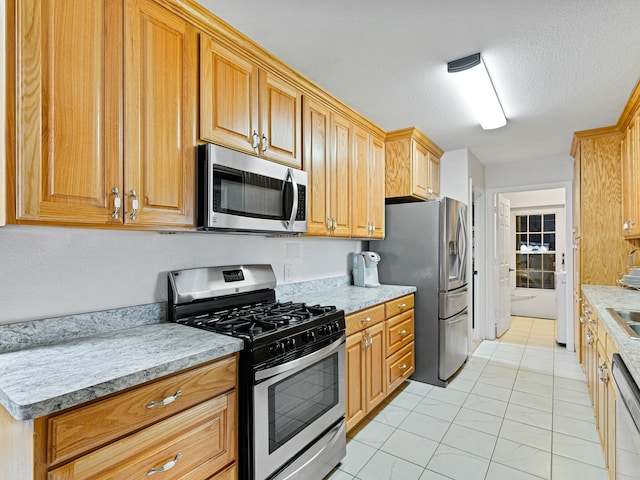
(300, 362)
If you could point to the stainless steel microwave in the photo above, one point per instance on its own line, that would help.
(238, 192)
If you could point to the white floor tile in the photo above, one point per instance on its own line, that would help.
(405, 400)
(573, 410)
(522, 457)
(526, 434)
(576, 428)
(358, 454)
(569, 384)
(425, 426)
(502, 472)
(431, 475)
(530, 400)
(496, 380)
(486, 405)
(417, 388)
(461, 384)
(530, 416)
(410, 447)
(491, 391)
(384, 466)
(534, 388)
(469, 440)
(573, 396)
(537, 378)
(438, 409)
(568, 469)
(457, 464)
(339, 475)
(448, 395)
(578, 449)
(478, 421)
(373, 434)
(392, 415)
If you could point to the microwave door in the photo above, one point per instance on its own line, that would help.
(289, 199)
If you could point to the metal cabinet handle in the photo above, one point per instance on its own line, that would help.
(403, 366)
(582, 319)
(117, 203)
(366, 341)
(370, 339)
(365, 320)
(134, 204)
(255, 141)
(603, 374)
(334, 224)
(589, 339)
(329, 224)
(402, 332)
(166, 401)
(265, 143)
(591, 320)
(402, 305)
(167, 466)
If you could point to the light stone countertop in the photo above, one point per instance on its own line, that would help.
(52, 364)
(348, 297)
(601, 297)
(43, 379)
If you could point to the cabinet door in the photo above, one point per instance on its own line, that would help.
(359, 183)
(356, 405)
(611, 428)
(340, 194)
(280, 120)
(375, 359)
(228, 97)
(434, 176)
(420, 170)
(376, 188)
(160, 113)
(316, 164)
(601, 396)
(67, 110)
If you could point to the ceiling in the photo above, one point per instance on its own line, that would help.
(558, 66)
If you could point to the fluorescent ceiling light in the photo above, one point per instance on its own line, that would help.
(475, 83)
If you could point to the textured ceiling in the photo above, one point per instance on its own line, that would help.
(558, 65)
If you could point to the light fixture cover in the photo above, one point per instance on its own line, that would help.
(473, 78)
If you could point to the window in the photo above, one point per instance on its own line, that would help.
(535, 251)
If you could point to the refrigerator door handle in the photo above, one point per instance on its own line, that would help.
(463, 240)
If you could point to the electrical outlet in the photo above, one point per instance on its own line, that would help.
(288, 272)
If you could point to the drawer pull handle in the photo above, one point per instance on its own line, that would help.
(166, 401)
(403, 366)
(591, 320)
(402, 305)
(167, 466)
(366, 320)
(402, 332)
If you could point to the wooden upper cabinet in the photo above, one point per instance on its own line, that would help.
(412, 166)
(376, 188)
(248, 108)
(326, 161)
(630, 154)
(67, 110)
(161, 65)
(90, 131)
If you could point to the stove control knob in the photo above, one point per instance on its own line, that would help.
(309, 336)
(324, 330)
(277, 348)
(335, 327)
(290, 343)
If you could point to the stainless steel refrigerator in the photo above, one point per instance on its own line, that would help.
(426, 246)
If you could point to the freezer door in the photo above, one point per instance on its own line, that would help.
(452, 303)
(453, 344)
(453, 247)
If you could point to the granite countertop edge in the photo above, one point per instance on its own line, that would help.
(601, 297)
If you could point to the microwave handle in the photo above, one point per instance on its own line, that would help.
(294, 208)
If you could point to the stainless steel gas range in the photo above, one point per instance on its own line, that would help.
(292, 386)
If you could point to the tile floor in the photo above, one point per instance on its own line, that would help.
(519, 410)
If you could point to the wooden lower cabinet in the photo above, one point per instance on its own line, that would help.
(380, 355)
(182, 426)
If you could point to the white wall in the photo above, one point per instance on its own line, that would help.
(454, 175)
(48, 271)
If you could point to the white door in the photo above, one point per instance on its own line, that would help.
(503, 250)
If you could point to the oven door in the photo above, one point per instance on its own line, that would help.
(295, 404)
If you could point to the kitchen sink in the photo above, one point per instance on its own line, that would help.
(629, 320)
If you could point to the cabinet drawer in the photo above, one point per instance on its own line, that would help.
(202, 437)
(398, 305)
(399, 366)
(81, 429)
(399, 331)
(229, 473)
(364, 318)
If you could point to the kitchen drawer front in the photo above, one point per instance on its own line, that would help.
(364, 318)
(399, 366)
(398, 305)
(202, 436)
(229, 473)
(82, 429)
(399, 331)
